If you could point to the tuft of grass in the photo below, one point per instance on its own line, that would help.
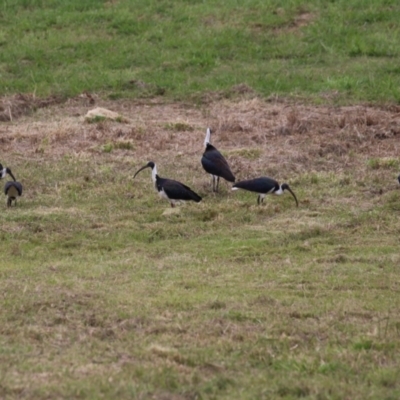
(384, 163)
(96, 119)
(108, 147)
(179, 127)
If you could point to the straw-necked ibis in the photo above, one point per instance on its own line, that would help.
(12, 190)
(264, 186)
(5, 171)
(170, 189)
(215, 164)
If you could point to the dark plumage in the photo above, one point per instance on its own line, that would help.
(175, 190)
(170, 189)
(264, 186)
(12, 189)
(215, 164)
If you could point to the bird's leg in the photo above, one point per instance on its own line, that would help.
(213, 183)
(172, 204)
(217, 183)
(258, 199)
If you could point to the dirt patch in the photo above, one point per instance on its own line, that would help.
(271, 137)
(300, 20)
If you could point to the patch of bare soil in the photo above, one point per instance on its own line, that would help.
(257, 136)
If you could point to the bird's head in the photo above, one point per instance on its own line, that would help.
(151, 165)
(4, 171)
(285, 186)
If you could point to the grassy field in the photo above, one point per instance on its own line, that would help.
(107, 292)
(342, 51)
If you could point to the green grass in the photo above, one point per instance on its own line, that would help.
(106, 293)
(345, 51)
(104, 296)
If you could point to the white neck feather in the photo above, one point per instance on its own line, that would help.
(208, 137)
(154, 173)
(279, 191)
(2, 173)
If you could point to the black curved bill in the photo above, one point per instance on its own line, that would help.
(294, 196)
(8, 171)
(141, 169)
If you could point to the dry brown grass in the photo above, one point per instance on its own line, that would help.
(283, 138)
(278, 129)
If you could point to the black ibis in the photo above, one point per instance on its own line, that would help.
(264, 186)
(215, 164)
(170, 189)
(12, 190)
(5, 171)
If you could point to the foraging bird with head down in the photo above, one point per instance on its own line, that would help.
(170, 189)
(12, 190)
(264, 186)
(215, 164)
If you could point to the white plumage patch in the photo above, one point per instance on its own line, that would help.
(208, 136)
(163, 195)
(154, 173)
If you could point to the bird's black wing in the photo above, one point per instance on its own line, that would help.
(258, 185)
(16, 185)
(215, 164)
(176, 190)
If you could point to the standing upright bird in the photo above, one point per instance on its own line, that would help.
(215, 164)
(5, 171)
(264, 186)
(170, 189)
(12, 189)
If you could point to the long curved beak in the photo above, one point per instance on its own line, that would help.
(294, 196)
(8, 171)
(141, 169)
